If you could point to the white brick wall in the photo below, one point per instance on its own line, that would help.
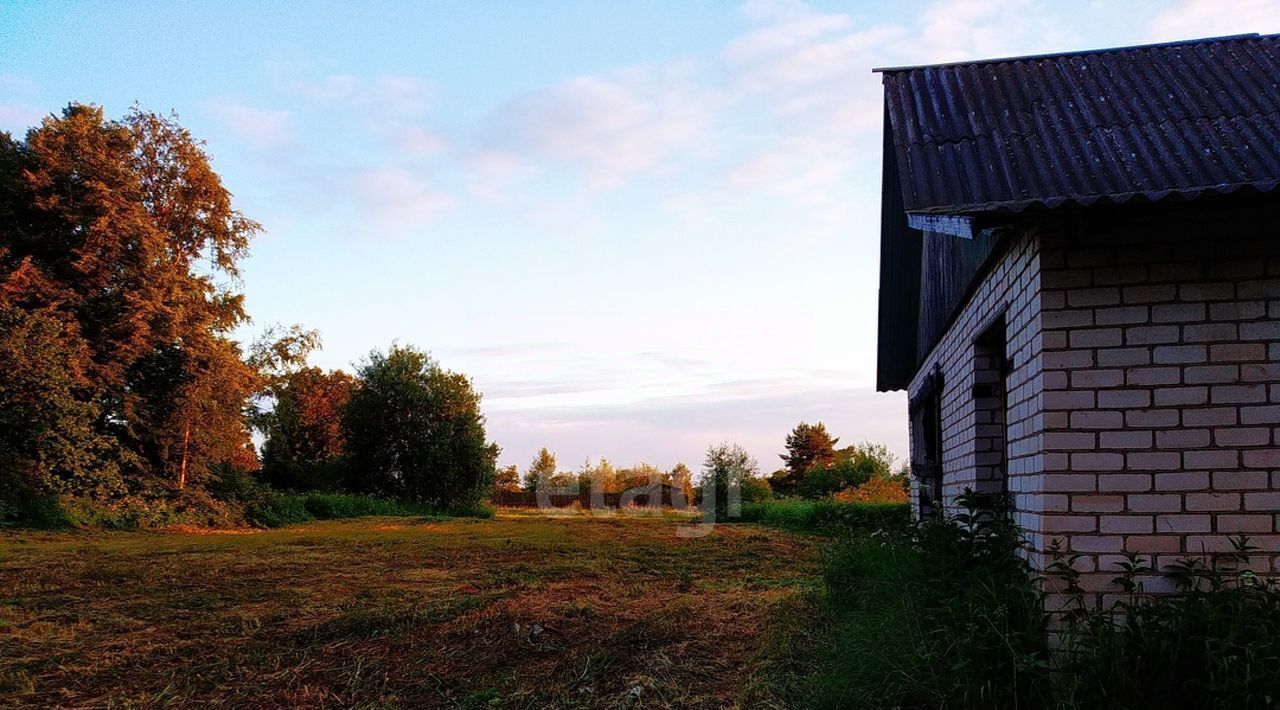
(1144, 402)
(1012, 288)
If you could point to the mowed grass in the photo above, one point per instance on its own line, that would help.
(514, 612)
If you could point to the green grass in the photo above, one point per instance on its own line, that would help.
(827, 515)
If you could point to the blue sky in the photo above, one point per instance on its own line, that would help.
(640, 227)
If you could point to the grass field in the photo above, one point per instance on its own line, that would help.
(513, 612)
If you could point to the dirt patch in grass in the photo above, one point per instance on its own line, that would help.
(514, 612)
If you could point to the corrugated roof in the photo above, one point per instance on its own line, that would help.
(1153, 121)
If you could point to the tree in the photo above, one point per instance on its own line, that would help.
(541, 471)
(807, 445)
(851, 467)
(123, 233)
(723, 472)
(275, 355)
(640, 476)
(304, 444)
(508, 479)
(48, 441)
(681, 477)
(600, 478)
(755, 489)
(414, 431)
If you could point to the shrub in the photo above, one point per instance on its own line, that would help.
(827, 516)
(877, 490)
(271, 509)
(132, 512)
(23, 507)
(952, 616)
(949, 617)
(755, 489)
(1214, 644)
(849, 468)
(274, 510)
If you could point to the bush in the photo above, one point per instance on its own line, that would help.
(1214, 644)
(22, 505)
(133, 512)
(29, 509)
(849, 468)
(952, 616)
(275, 510)
(877, 490)
(948, 617)
(828, 516)
(755, 489)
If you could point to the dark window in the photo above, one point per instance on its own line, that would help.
(926, 442)
(991, 411)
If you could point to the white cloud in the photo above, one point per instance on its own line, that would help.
(609, 127)
(397, 199)
(262, 128)
(389, 94)
(1189, 19)
(490, 175)
(796, 30)
(414, 140)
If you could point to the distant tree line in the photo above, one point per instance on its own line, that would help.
(814, 468)
(543, 474)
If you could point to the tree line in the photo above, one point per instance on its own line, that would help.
(813, 468)
(601, 476)
(120, 381)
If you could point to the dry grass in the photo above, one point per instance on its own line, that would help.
(515, 612)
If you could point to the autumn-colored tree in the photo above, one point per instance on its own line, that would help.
(601, 477)
(639, 476)
(541, 470)
(807, 445)
(414, 431)
(132, 241)
(304, 432)
(681, 477)
(508, 478)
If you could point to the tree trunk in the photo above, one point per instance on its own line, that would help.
(186, 442)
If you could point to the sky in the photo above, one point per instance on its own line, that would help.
(640, 227)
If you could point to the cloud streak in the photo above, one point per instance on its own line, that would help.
(1186, 19)
(260, 127)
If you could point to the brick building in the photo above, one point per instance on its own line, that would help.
(1080, 291)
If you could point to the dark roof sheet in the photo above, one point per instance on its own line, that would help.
(1005, 135)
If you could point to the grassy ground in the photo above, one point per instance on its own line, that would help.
(518, 611)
